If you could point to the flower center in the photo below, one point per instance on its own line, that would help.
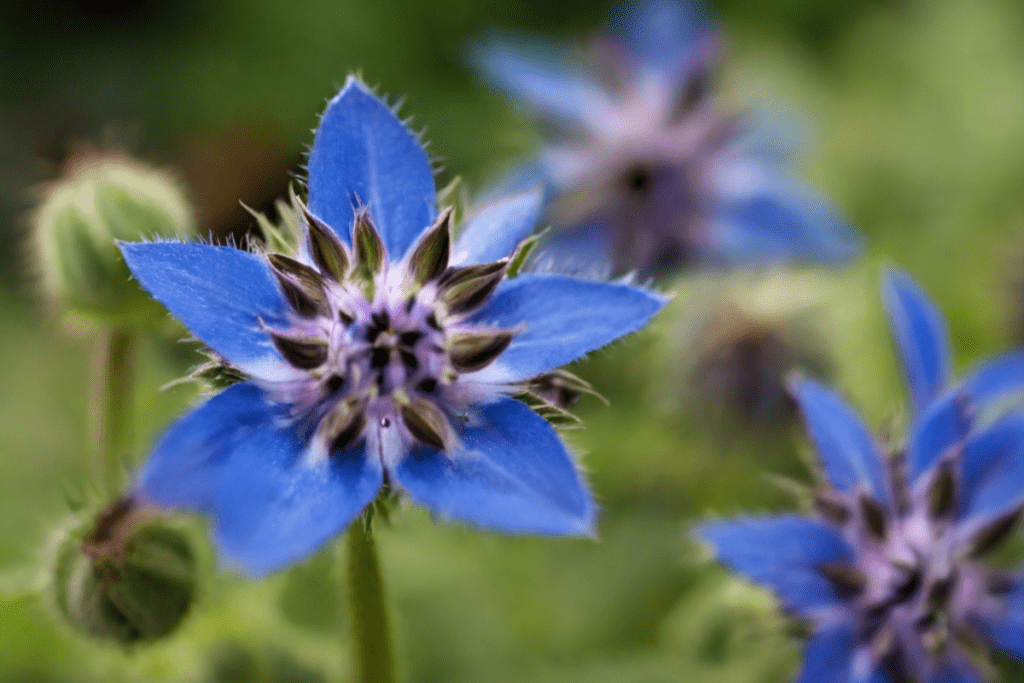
(378, 345)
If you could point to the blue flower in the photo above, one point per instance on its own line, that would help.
(383, 353)
(889, 567)
(646, 170)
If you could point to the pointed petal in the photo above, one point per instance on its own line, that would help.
(849, 453)
(275, 506)
(495, 229)
(921, 335)
(661, 33)
(832, 656)
(539, 76)
(992, 474)
(513, 474)
(564, 319)
(362, 153)
(219, 293)
(783, 554)
(947, 421)
(765, 217)
(1005, 628)
(183, 469)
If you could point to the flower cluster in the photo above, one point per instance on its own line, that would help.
(645, 168)
(383, 353)
(889, 567)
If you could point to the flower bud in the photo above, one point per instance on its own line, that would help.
(101, 199)
(130, 579)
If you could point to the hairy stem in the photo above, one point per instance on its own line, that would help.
(371, 631)
(111, 407)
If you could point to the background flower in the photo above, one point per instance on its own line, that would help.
(647, 169)
(887, 569)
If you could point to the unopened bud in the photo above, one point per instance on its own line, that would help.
(99, 200)
(131, 578)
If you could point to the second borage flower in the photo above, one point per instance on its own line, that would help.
(383, 352)
(647, 171)
(890, 568)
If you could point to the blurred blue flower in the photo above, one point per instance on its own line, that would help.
(889, 568)
(383, 353)
(645, 169)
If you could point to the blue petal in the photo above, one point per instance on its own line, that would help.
(363, 154)
(782, 553)
(849, 453)
(921, 335)
(183, 469)
(496, 229)
(765, 217)
(956, 668)
(564, 319)
(220, 293)
(661, 33)
(831, 657)
(991, 478)
(275, 507)
(538, 75)
(584, 251)
(513, 474)
(947, 421)
(1004, 630)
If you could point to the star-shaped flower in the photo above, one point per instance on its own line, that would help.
(383, 352)
(889, 569)
(646, 170)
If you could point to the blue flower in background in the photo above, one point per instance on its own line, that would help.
(889, 568)
(645, 169)
(382, 353)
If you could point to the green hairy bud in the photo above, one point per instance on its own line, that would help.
(126, 577)
(101, 199)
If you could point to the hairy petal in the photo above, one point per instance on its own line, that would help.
(496, 229)
(847, 450)
(184, 467)
(765, 217)
(783, 554)
(564, 319)
(275, 505)
(512, 474)
(362, 153)
(947, 421)
(539, 76)
(220, 293)
(921, 334)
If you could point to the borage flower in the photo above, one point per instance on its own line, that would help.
(889, 569)
(382, 353)
(646, 170)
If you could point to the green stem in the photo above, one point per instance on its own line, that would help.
(371, 631)
(113, 378)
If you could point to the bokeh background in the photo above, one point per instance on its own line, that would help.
(908, 113)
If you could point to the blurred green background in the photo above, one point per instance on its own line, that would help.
(912, 119)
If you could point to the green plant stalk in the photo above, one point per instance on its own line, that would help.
(373, 648)
(111, 407)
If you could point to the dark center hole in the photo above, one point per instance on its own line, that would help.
(334, 383)
(380, 357)
(638, 179)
